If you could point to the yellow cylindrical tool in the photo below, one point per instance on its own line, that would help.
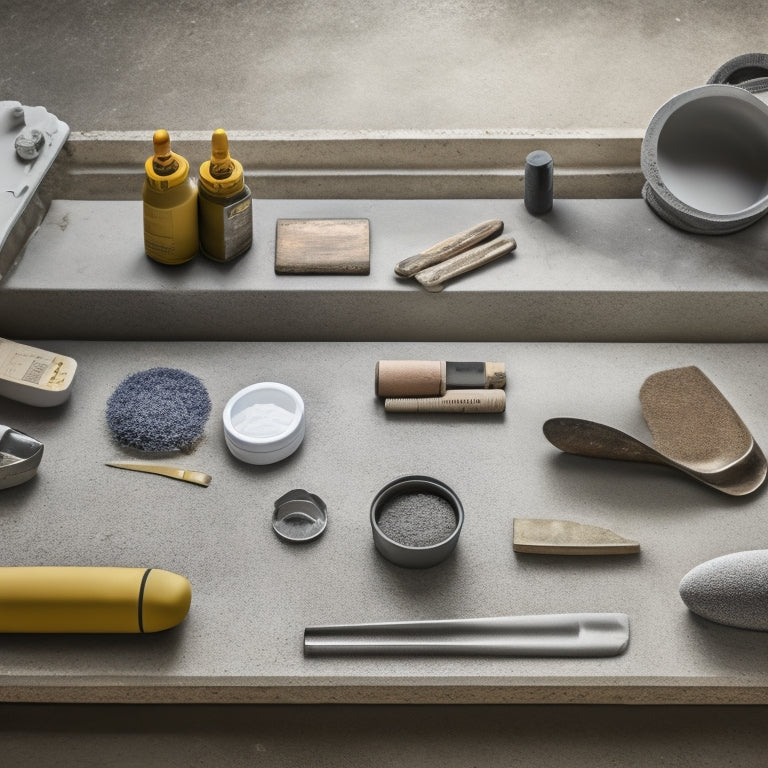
(70, 599)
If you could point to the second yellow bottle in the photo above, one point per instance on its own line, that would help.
(224, 204)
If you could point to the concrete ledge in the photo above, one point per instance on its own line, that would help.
(74, 736)
(591, 270)
(370, 691)
(360, 315)
(101, 165)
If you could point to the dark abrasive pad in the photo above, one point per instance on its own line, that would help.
(160, 409)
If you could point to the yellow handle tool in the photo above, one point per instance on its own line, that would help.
(70, 599)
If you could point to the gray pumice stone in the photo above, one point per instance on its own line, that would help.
(732, 589)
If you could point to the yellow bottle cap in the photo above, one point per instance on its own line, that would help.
(165, 169)
(222, 174)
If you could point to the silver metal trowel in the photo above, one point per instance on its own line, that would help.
(564, 634)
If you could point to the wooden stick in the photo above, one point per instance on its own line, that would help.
(448, 248)
(433, 278)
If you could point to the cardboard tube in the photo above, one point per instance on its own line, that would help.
(410, 378)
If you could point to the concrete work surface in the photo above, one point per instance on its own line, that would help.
(253, 594)
(360, 105)
(591, 270)
(360, 65)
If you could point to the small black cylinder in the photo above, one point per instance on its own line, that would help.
(539, 175)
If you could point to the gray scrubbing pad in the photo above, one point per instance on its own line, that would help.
(732, 589)
(160, 409)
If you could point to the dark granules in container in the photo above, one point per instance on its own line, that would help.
(417, 519)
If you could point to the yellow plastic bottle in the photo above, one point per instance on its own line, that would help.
(170, 205)
(224, 201)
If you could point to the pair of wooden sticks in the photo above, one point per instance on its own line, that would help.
(457, 255)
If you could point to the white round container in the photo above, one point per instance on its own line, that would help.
(264, 423)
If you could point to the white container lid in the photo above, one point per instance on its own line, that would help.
(265, 420)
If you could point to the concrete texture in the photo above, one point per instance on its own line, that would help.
(383, 165)
(362, 77)
(253, 594)
(377, 736)
(363, 65)
(591, 270)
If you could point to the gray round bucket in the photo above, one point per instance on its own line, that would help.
(705, 159)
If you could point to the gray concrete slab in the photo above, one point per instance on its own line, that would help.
(253, 594)
(361, 69)
(363, 65)
(591, 270)
(402, 164)
(376, 736)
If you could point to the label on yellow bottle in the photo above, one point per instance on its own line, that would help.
(238, 228)
(170, 233)
(158, 233)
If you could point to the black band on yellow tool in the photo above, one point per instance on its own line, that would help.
(141, 599)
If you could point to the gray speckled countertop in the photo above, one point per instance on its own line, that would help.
(253, 594)
(319, 66)
(591, 270)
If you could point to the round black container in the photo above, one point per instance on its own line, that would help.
(402, 553)
(539, 182)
